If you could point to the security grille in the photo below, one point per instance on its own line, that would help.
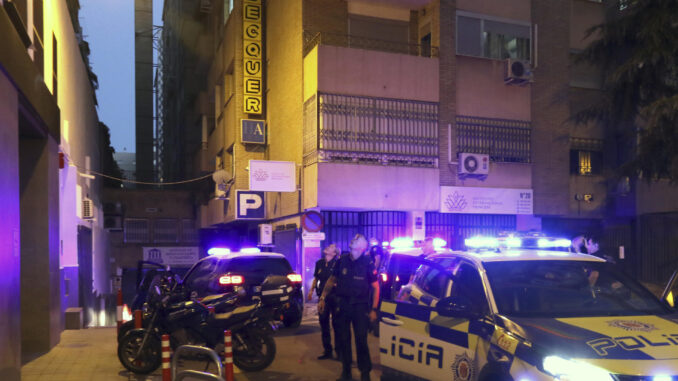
(136, 230)
(188, 231)
(341, 227)
(455, 228)
(165, 231)
(504, 140)
(343, 128)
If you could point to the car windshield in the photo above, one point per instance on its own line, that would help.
(552, 289)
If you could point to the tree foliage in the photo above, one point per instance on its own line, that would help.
(109, 165)
(637, 50)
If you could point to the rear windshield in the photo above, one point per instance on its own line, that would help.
(275, 266)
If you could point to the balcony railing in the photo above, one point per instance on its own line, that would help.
(503, 139)
(343, 128)
(312, 39)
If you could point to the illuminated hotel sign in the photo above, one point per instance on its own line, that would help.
(252, 55)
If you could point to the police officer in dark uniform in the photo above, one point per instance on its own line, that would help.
(323, 271)
(354, 276)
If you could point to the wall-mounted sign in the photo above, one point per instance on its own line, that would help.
(250, 205)
(176, 256)
(253, 88)
(253, 131)
(273, 176)
(473, 200)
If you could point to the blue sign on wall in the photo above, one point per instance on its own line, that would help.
(250, 205)
(253, 131)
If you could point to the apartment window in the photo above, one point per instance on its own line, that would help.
(505, 140)
(165, 231)
(586, 163)
(136, 230)
(188, 231)
(482, 36)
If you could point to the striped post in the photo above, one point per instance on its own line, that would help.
(166, 371)
(137, 319)
(119, 309)
(228, 355)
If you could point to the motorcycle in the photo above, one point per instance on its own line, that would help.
(197, 323)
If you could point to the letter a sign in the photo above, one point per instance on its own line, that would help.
(253, 131)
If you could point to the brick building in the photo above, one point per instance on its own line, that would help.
(391, 110)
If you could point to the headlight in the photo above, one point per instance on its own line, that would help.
(568, 370)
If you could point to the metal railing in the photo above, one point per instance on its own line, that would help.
(505, 140)
(344, 128)
(194, 374)
(313, 39)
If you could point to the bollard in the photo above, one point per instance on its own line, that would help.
(166, 371)
(137, 319)
(119, 309)
(228, 355)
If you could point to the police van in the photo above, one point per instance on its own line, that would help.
(510, 313)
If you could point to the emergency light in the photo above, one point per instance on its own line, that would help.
(218, 251)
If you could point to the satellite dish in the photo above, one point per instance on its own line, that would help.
(221, 176)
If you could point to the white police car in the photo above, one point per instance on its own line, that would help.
(526, 314)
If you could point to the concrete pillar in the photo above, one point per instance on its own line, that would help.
(40, 278)
(10, 317)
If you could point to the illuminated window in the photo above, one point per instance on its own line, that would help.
(482, 36)
(585, 162)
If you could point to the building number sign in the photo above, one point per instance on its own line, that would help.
(252, 57)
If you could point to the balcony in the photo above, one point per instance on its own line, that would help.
(313, 39)
(368, 130)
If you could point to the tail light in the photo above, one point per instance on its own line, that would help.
(384, 277)
(294, 278)
(227, 280)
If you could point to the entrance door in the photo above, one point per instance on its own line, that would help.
(85, 273)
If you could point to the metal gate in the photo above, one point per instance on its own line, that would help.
(341, 227)
(454, 228)
(85, 272)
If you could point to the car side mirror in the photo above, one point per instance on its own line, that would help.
(457, 307)
(669, 295)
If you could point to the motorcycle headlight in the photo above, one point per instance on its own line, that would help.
(568, 370)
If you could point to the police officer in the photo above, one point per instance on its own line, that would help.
(354, 275)
(376, 252)
(323, 271)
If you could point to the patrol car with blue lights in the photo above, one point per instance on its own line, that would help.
(499, 311)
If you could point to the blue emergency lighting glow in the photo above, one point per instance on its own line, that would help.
(384, 244)
(479, 241)
(548, 243)
(514, 242)
(439, 242)
(662, 378)
(250, 250)
(402, 243)
(218, 251)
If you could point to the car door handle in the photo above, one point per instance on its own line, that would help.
(395, 322)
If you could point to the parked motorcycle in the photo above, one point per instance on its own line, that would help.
(197, 323)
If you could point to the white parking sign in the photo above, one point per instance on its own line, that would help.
(250, 205)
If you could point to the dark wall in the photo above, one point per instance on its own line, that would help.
(10, 319)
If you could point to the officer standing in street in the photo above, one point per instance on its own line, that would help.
(354, 275)
(323, 271)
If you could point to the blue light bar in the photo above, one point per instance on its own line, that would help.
(439, 242)
(402, 243)
(514, 242)
(552, 243)
(218, 251)
(250, 250)
(478, 242)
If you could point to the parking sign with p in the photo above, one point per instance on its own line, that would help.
(250, 205)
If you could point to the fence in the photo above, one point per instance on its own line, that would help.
(504, 140)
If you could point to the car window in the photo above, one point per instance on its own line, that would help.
(467, 283)
(200, 273)
(263, 265)
(432, 280)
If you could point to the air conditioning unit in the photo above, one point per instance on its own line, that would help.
(474, 164)
(87, 209)
(517, 72)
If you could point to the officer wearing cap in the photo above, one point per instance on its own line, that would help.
(354, 276)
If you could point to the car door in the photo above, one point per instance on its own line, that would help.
(418, 342)
(198, 280)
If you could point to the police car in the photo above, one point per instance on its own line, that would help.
(526, 314)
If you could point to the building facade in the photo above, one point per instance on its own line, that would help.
(55, 256)
(445, 118)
